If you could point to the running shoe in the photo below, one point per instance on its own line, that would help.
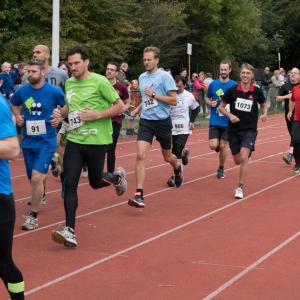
(178, 176)
(137, 201)
(296, 169)
(185, 156)
(171, 181)
(288, 158)
(85, 172)
(56, 167)
(121, 186)
(239, 193)
(220, 173)
(30, 223)
(65, 236)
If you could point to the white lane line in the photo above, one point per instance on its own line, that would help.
(125, 202)
(149, 240)
(240, 275)
(202, 262)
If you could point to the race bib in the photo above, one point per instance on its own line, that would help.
(74, 120)
(149, 102)
(243, 104)
(227, 107)
(180, 125)
(36, 127)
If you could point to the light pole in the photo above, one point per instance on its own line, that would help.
(55, 33)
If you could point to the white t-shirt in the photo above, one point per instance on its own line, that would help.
(180, 113)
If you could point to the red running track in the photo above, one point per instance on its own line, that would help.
(192, 242)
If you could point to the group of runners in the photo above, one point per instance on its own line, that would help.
(89, 106)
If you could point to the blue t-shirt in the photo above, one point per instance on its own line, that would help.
(7, 129)
(161, 83)
(8, 82)
(215, 92)
(37, 108)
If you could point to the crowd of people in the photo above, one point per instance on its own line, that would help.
(70, 120)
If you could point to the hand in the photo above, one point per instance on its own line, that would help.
(135, 112)
(289, 116)
(54, 122)
(233, 118)
(57, 113)
(148, 91)
(192, 126)
(20, 120)
(263, 117)
(213, 103)
(88, 114)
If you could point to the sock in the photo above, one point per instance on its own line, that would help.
(221, 167)
(218, 149)
(141, 191)
(33, 213)
(16, 296)
(241, 185)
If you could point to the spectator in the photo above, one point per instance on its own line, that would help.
(7, 78)
(266, 81)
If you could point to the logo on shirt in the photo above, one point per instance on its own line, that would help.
(35, 109)
(69, 95)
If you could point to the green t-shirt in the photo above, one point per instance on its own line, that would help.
(94, 92)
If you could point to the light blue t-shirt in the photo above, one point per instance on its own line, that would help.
(7, 129)
(215, 91)
(37, 108)
(161, 83)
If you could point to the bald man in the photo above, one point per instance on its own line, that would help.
(53, 75)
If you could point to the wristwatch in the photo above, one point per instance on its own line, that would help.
(153, 95)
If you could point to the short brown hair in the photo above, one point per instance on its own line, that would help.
(226, 62)
(36, 62)
(155, 50)
(248, 67)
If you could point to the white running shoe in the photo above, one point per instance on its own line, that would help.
(30, 223)
(85, 172)
(122, 184)
(64, 236)
(239, 193)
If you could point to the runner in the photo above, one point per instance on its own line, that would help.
(91, 102)
(32, 105)
(285, 94)
(56, 77)
(218, 123)
(182, 123)
(242, 131)
(158, 91)
(9, 149)
(294, 108)
(111, 75)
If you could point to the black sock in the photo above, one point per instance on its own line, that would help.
(33, 213)
(218, 149)
(178, 170)
(221, 167)
(141, 191)
(241, 185)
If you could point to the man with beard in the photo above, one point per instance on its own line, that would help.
(218, 123)
(285, 94)
(33, 105)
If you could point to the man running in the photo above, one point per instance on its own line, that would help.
(91, 102)
(9, 149)
(218, 123)
(243, 116)
(158, 91)
(32, 105)
(111, 74)
(182, 123)
(285, 94)
(294, 108)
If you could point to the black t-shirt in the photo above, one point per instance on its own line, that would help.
(285, 90)
(244, 105)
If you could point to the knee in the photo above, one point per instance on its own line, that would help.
(140, 157)
(36, 179)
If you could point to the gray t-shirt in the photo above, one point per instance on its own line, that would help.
(56, 77)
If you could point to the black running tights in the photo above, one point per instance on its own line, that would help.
(9, 273)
